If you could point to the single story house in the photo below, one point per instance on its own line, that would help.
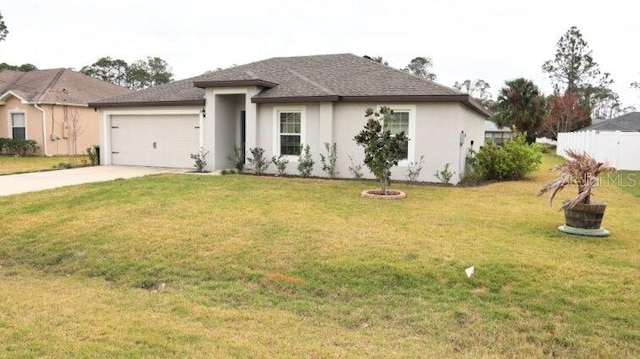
(282, 103)
(50, 107)
(495, 134)
(615, 141)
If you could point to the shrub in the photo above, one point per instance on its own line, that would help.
(258, 163)
(4, 143)
(356, 170)
(305, 162)
(512, 161)
(21, 147)
(92, 157)
(281, 164)
(414, 169)
(63, 166)
(237, 158)
(200, 159)
(445, 175)
(329, 162)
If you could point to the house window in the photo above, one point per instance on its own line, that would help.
(290, 129)
(396, 123)
(18, 128)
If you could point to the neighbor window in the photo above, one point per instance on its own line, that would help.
(18, 130)
(396, 123)
(290, 125)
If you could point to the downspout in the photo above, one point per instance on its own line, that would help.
(44, 129)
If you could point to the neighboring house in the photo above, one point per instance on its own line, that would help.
(615, 141)
(282, 103)
(496, 135)
(50, 107)
(629, 122)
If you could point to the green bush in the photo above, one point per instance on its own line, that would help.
(18, 147)
(305, 161)
(4, 143)
(511, 162)
(257, 161)
(92, 158)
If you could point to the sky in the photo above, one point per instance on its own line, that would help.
(493, 40)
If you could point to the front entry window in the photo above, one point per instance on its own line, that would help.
(18, 128)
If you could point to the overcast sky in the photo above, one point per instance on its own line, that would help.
(495, 40)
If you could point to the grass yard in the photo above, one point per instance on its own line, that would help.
(271, 267)
(13, 164)
(627, 180)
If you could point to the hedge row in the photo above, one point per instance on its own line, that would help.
(9, 146)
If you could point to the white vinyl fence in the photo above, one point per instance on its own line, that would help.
(619, 149)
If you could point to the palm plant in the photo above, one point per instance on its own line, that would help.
(520, 105)
(582, 170)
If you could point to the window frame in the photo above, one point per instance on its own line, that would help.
(11, 126)
(411, 146)
(277, 135)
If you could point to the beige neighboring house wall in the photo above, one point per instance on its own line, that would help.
(33, 119)
(54, 103)
(59, 124)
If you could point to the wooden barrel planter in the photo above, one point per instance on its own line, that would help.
(587, 216)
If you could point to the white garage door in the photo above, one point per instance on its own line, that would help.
(158, 140)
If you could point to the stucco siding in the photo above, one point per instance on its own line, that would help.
(60, 129)
(437, 137)
(437, 129)
(33, 120)
(267, 127)
(59, 126)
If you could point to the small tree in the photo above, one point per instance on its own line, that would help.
(382, 151)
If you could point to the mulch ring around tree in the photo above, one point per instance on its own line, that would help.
(376, 193)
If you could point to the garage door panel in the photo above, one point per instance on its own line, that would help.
(161, 140)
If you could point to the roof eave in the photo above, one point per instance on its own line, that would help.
(295, 99)
(235, 83)
(464, 99)
(147, 103)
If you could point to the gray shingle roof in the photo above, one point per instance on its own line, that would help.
(629, 122)
(172, 93)
(322, 75)
(339, 77)
(57, 86)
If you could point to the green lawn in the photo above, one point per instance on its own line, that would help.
(627, 180)
(13, 164)
(272, 267)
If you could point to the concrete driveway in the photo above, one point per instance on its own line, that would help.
(38, 181)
